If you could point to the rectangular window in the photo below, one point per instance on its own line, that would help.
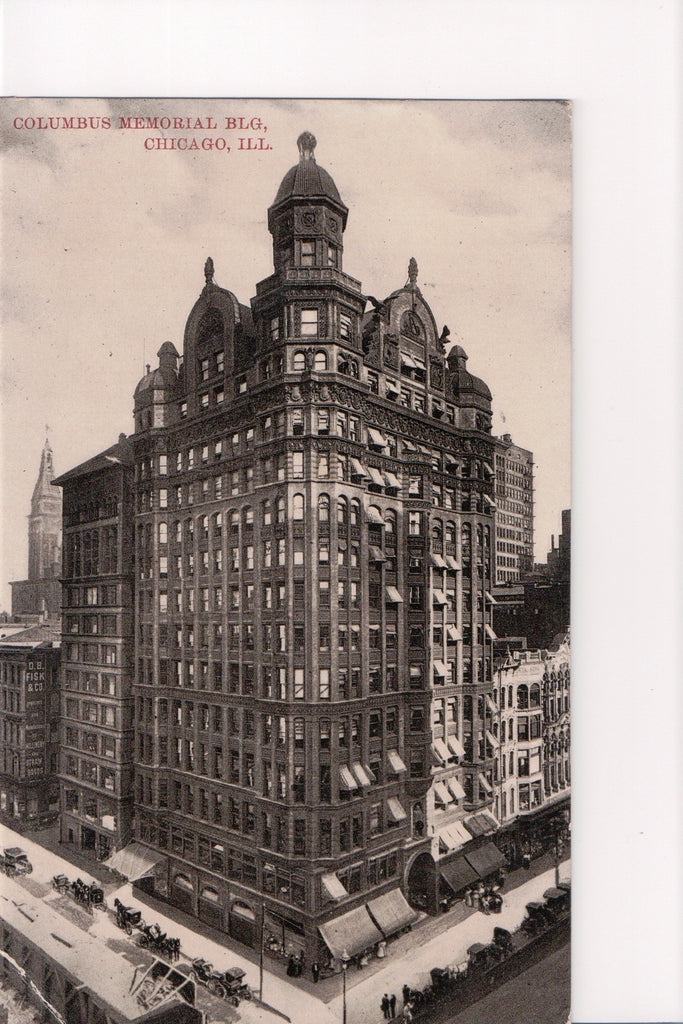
(309, 323)
(324, 684)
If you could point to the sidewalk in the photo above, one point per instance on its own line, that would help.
(433, 942)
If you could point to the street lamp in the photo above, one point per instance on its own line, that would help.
(345, 958)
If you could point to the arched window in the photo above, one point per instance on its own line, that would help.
(535, 696)
(298, 507)
(281, 511)
(355, 512)
(183, 882)
(324, 508)
(210, 894)
(342, 511)
(299, 362)
(390, 521)
(522, 697)
(450, 533)
(320, 361)
(437, 531)
(466, 542)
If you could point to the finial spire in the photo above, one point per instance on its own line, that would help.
(209, 271)
(306, 143)
(412, 271)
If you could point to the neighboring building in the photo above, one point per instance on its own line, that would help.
(314, 495)
(96, 771)
(29, 721)
(538, 607)
(515, 516)
(532, 695)
(40, 594)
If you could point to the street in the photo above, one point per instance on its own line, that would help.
(409, 957)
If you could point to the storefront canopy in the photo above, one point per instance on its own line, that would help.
(457, 874)
(134, 861)
(350, 933)
(391, 912)
(486, 860)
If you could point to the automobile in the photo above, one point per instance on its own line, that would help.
(14, 861)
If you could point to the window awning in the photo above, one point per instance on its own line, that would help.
(395, 763)
(376, 438)
(486, 860)
(456, 789)
(375, 476)
(437, 561)
(346, 779)
(489, 501)
(391, 912)
(333, 887)
(490, 598)
(476, 825)
(134, 861)
(457, 874)
(490, 738)
(456, 746)
(489, 632)
(490, 705)
(370, 774)
(392, 595)
(483, 781)
(350, 933)
(452, 563)
(453, 633)
(360, 774)
(374, 516)
(451, 837)
(438, 597)
(392, 387)
(392, 480)
(408, 446)
(488, 468)
(440, 668)
(408, 361)
(396, 810)
(357, 468)
(442, 794)
(441, 751)
(376, 554)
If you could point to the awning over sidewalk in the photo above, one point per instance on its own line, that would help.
(391, 912)
(134, 861)
(350, 933)
(486, 860)
(457, 874)
(481, 824)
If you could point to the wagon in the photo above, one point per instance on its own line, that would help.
(14, 861)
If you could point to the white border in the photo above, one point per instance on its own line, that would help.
(617, 60)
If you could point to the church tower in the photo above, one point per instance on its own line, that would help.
(45, 522)
(40, 594)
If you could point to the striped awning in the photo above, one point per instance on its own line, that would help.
(453, 633)
(456, 789)
(373, 516)
(333, 887)
(376, 438)
(346, 779)
(483, 781)
(357, 467)
(441, 750)
(392, 595)
(440, 668)
(438, 597)
(375, 476)
(360, 773)
(392, 480)
(442, 794)
(456, 746)
(395, 763)
(437, 561)
(396, 810)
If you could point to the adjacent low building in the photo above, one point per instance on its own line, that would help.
(29, 721)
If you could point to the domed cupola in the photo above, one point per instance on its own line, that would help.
(308, 217)
(471, 393)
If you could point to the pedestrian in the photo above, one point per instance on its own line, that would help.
(291, 969)
(392, 1005)
(406, 994)
(315, 971)
(408, 1013)
(385, 1006)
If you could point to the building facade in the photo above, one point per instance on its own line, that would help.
(532, 772)
(314, 561)
(96, 770)
(515, 517)
(29, 721)
(40, 594)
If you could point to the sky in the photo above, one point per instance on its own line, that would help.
(104, 242)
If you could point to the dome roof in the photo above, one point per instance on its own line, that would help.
(152, 379)
(307, 180)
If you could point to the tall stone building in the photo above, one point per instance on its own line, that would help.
(314, 561)
(96, 771)
(40, 594)
(515, 516)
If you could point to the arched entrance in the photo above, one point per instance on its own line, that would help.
(421, 884)
(242, 923)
